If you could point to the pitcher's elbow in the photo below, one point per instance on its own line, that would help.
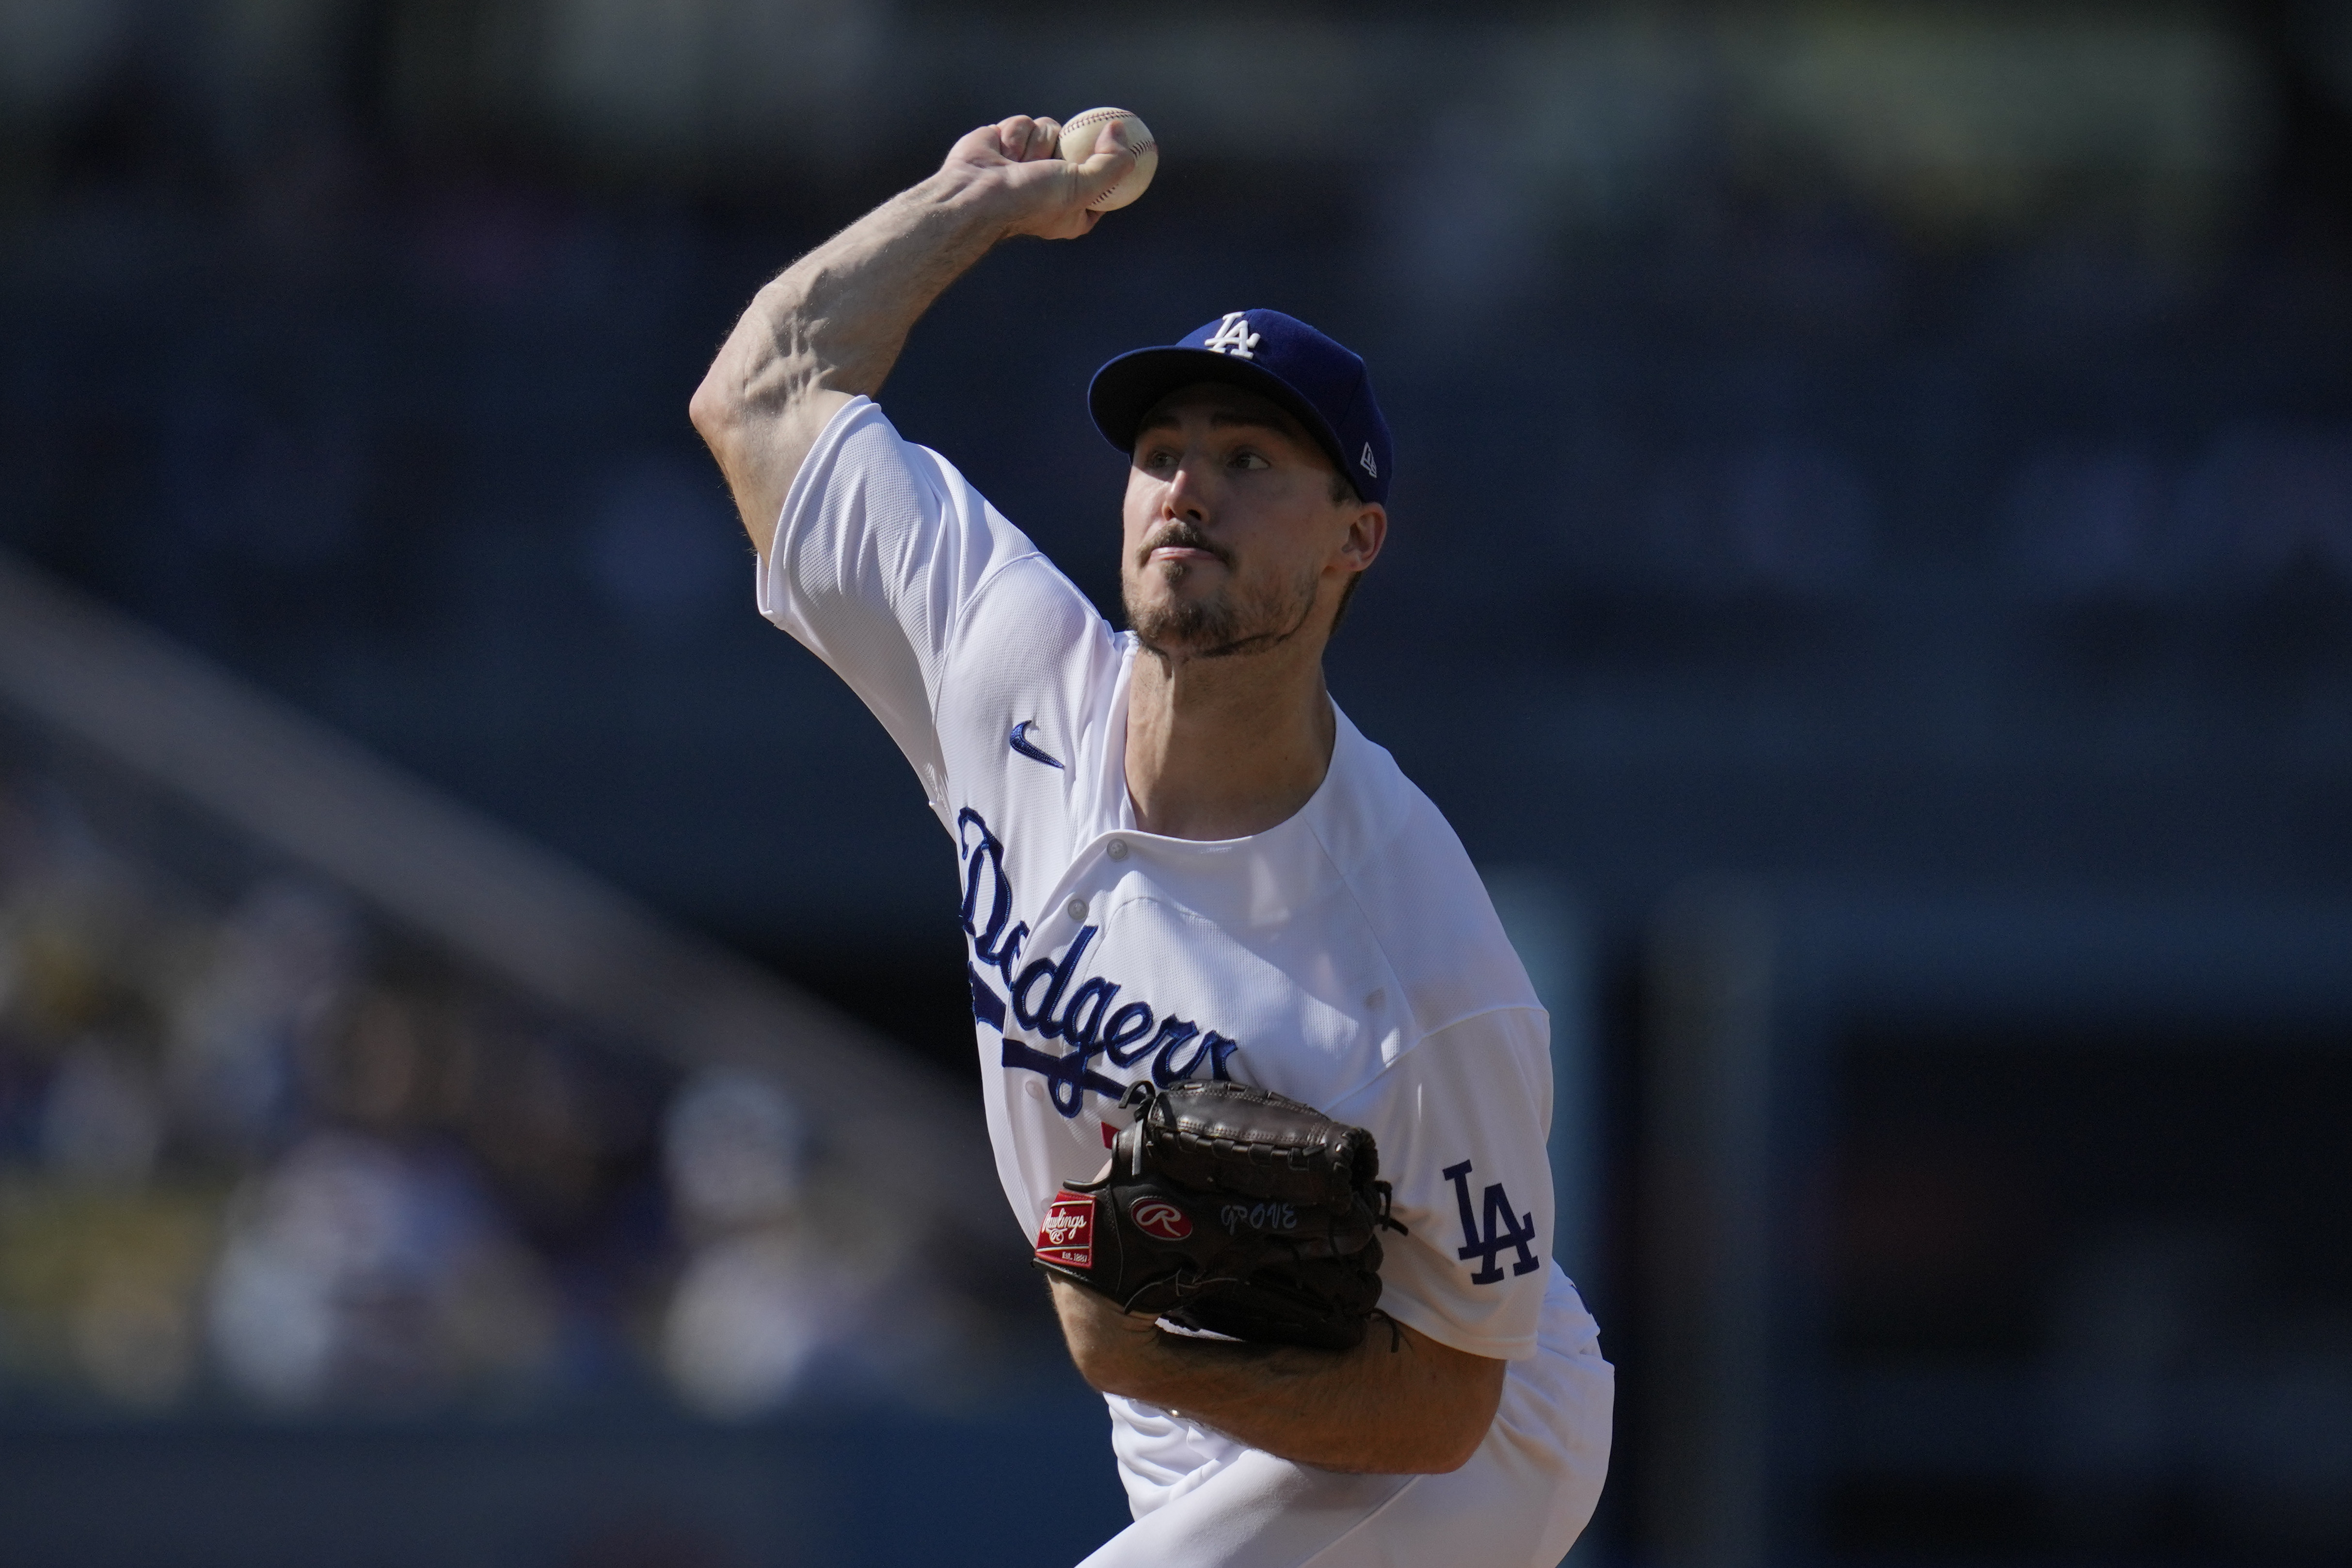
(1419, 1453)
(1453, 1442)
(1452, 1456)
(711, 409)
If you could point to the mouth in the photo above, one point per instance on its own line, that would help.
(1182, 547)
(1180, 555)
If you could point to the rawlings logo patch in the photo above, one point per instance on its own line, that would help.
(1067, 1236)
(1158, 1217)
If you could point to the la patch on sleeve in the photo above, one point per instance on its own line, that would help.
(1502, 1225)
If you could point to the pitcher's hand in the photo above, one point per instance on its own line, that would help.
(1015, 169)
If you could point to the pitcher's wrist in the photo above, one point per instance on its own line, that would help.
(974, 202)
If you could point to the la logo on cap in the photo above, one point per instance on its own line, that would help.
(1234, 337)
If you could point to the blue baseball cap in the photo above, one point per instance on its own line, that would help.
(1324, 385)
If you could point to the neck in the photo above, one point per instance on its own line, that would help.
(1221, 748)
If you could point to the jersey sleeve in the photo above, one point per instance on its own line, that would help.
(880, 547)
(1461, 1120)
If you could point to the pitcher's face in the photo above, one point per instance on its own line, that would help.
(1233, 542)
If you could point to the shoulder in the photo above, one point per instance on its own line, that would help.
(858, 437)
(1026, 622)
(1017, 622)
(860, 456)
(1027, 651)
(1419, 897)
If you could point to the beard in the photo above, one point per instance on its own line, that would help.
(1232, 623)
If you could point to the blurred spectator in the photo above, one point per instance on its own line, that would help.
(2259, 503)
(734, 1145)
(102, 1121)
(258, 1146)
(273, 982)
(769, 1286)
(352, 1270)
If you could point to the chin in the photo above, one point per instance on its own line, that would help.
(1155, 602)
(1184, 626)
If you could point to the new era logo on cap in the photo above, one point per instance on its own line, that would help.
(1322, 383)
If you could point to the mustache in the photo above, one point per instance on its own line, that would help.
(1181, 536)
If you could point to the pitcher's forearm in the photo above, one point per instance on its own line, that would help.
(831, 325)
(829, 329)
(1397, 1407)
(835, 319)
(1401, 1405)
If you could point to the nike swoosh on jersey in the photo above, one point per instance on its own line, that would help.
(1022, 743)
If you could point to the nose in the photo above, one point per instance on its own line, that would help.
(1183, 497)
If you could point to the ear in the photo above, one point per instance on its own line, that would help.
(1367, 530)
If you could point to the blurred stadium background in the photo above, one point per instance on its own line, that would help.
(1872, 586)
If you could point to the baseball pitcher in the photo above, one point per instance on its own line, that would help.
(1263, 1076)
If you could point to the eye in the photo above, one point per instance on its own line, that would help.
(1248, 460)
(1156, 459)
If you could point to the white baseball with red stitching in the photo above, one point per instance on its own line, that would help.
(1079, 136)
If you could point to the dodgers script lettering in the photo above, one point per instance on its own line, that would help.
(1047, 1001)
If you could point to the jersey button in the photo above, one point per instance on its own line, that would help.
(1118, 850)
(1075, 909)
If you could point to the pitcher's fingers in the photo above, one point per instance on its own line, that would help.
(1014, 136)
(1110, 161)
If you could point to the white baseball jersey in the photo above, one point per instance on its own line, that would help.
(1348, 957)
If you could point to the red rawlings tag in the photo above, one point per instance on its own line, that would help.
(1067, 1236)
(1158, 1217)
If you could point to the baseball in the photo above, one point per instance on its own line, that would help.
(1079, 137)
